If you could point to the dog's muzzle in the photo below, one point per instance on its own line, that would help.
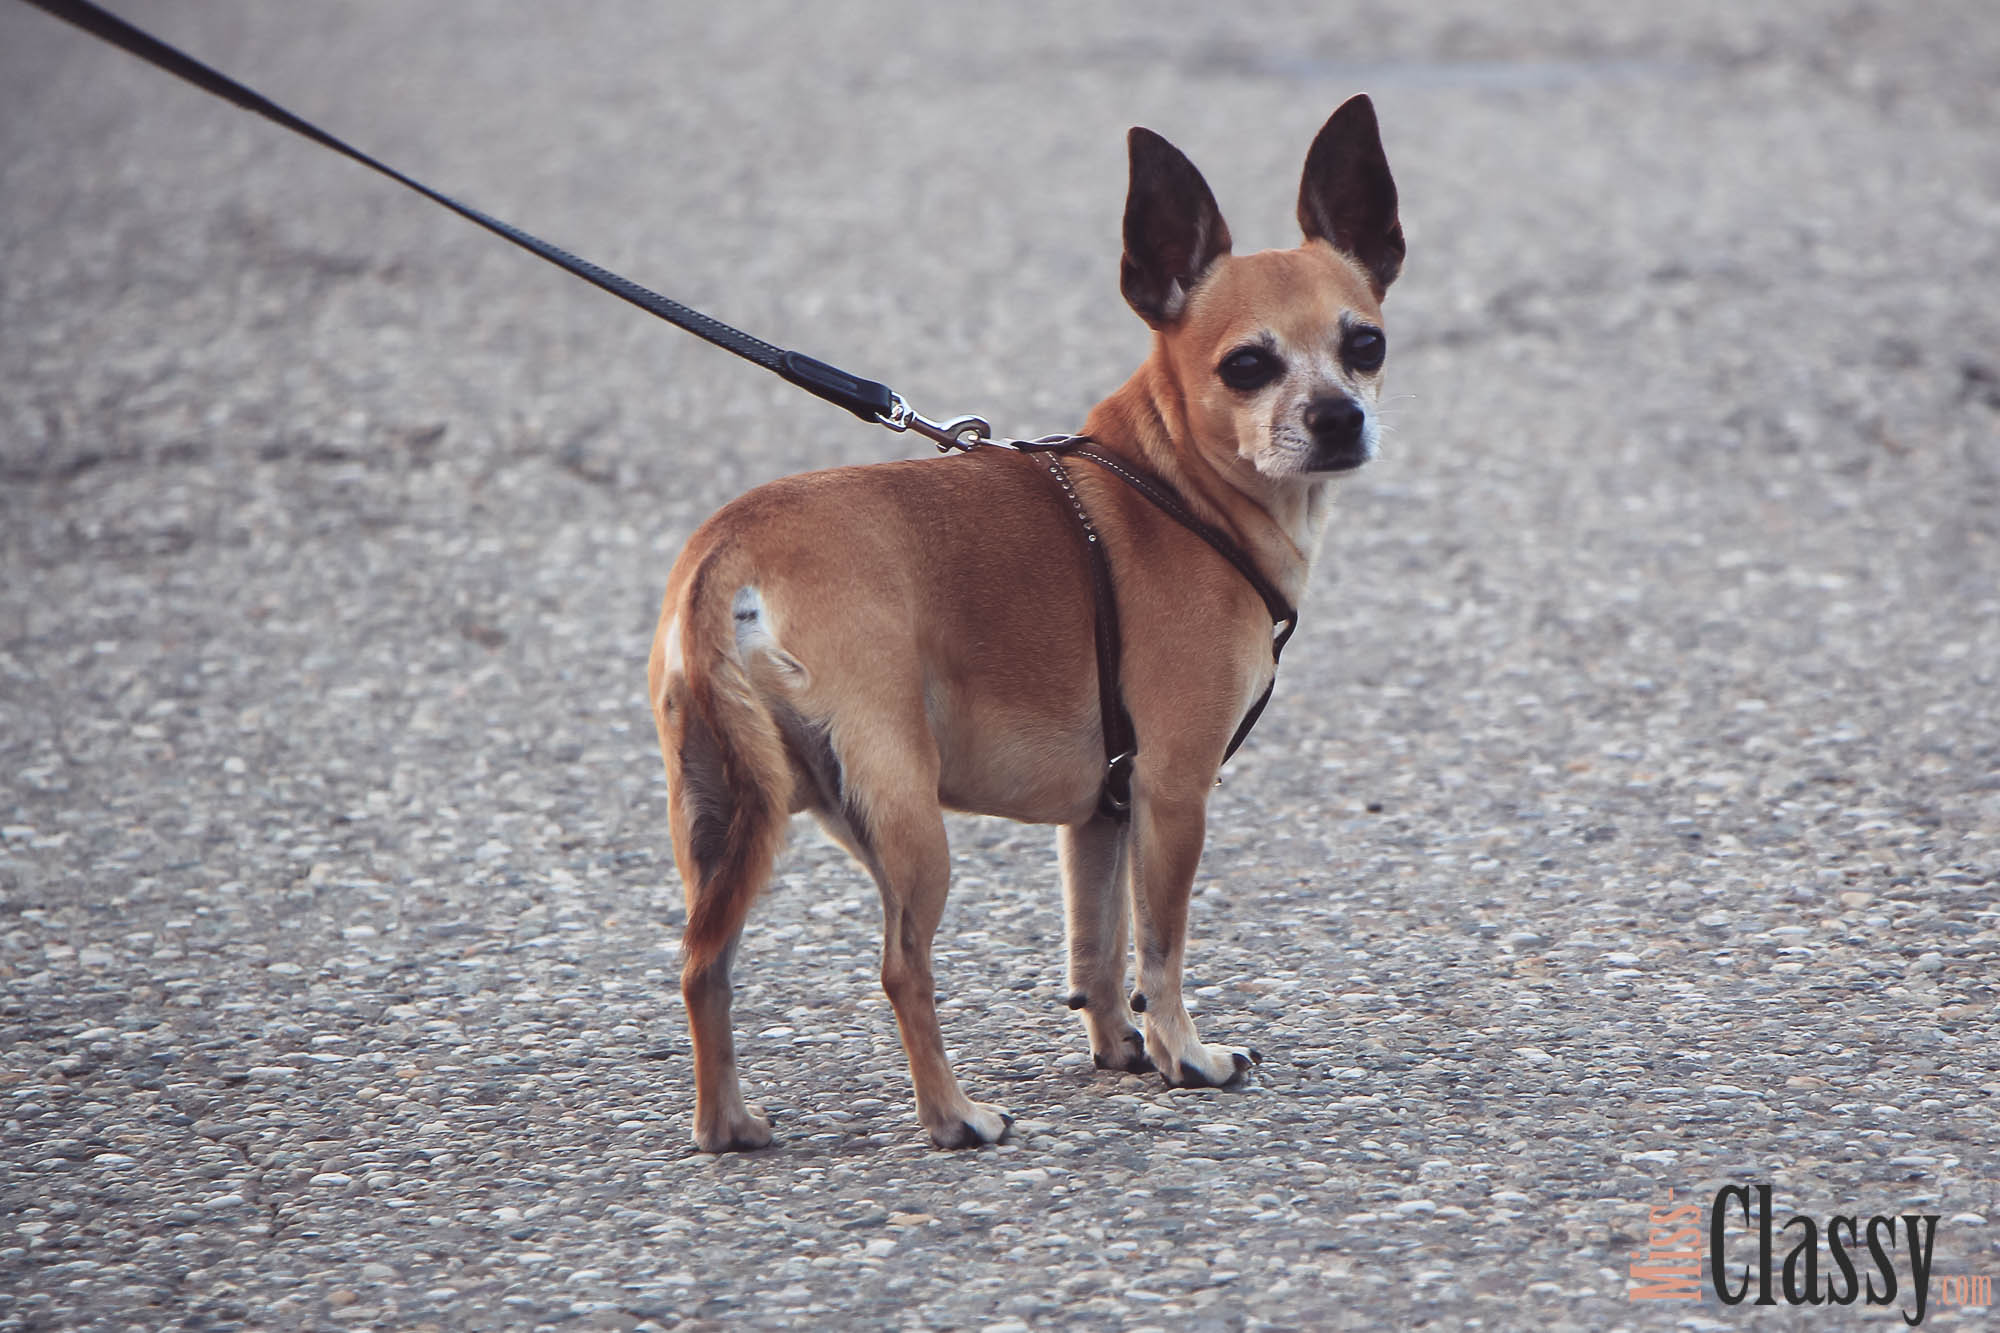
(1338, 428)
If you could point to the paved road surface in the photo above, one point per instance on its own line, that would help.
(1627, 821)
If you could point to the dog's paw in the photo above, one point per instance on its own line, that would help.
(1127, 1054)
(745, 1130)
(1211, 1067)
(974, 1126)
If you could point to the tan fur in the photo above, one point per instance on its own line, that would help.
(875, 645)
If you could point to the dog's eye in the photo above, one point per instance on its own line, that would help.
(1249, 368)
(1364, 349)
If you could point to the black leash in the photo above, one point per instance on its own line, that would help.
(865, 398)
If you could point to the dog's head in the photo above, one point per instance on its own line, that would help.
(1277, 355)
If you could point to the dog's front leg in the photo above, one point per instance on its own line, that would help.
(1167, 834)
(1094, 896)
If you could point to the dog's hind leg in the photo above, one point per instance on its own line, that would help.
(914, 873)
(1095, 900)
(725, 843)
(723, 1121)
(891, 821)
(728, 790)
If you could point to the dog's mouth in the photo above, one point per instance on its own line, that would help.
(1339, 458)
(1324, 454)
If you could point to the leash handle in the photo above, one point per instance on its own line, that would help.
(865, 398)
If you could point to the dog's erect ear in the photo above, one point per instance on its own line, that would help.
(1347, 196)
(1173, 230)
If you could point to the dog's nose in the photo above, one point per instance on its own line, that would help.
(1333, 420)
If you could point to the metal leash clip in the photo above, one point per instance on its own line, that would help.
(966, 432)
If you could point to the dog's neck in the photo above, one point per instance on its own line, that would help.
(1278, 525)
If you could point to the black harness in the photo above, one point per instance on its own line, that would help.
(1120, 743)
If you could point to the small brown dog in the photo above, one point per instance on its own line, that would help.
(878, 644)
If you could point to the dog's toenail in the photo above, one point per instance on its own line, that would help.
(1138, 1002)
(1256, 1055)
(1242, 1060)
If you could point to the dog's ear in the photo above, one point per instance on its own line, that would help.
(1173, 230)
(1347, 197)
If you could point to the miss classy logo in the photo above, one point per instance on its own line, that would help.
(1868, 1260)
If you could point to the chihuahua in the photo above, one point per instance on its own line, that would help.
(879, 644)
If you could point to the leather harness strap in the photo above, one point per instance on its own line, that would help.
(1120, 741)
(1114, 799)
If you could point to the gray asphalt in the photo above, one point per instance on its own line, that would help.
(1627, 819)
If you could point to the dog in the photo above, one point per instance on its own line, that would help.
(878, 644)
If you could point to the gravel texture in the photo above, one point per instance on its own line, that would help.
(1627, 818)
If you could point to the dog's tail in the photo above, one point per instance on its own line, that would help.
(729, 778)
